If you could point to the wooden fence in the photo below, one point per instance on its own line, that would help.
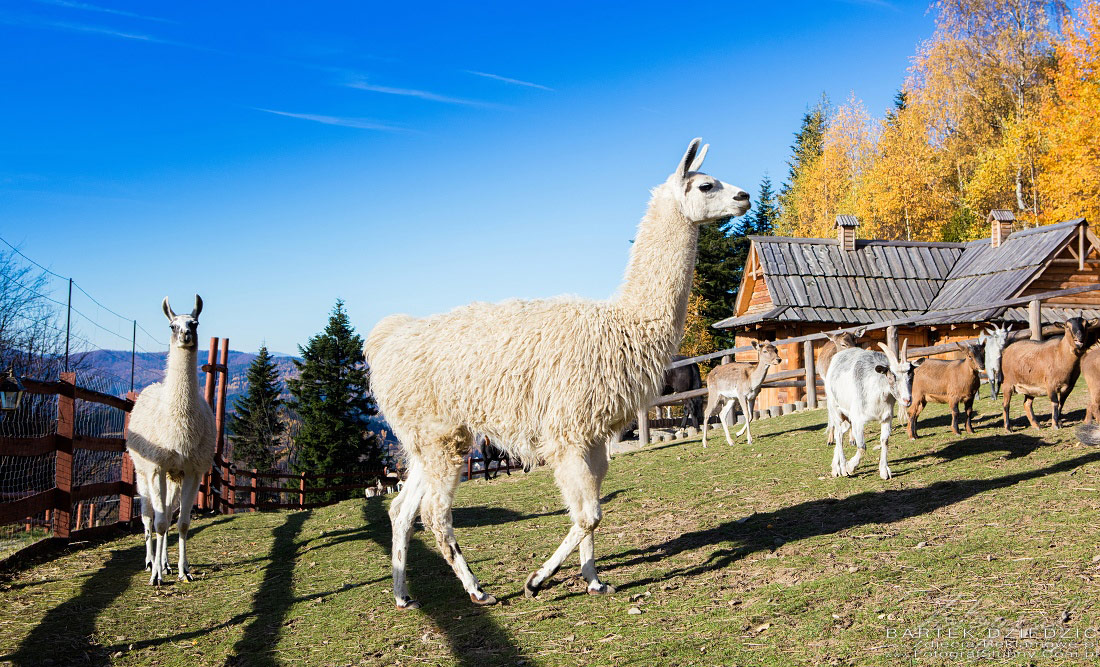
(807, 377)
(67, 508)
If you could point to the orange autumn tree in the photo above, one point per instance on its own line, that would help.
(1070, 173)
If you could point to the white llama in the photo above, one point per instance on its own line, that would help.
(550, 379)
(171, 439)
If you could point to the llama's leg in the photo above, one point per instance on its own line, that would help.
(861, 445)
(435, 509)
(578, 473)
(884, 435)
(723, 416)
(1028, 400)
(158, 491)
(402, 513)
(146, 518)
(189, 491)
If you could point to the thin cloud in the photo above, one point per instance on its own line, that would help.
(357, 123)
(104, 10)
(421, 94)
(514, 82)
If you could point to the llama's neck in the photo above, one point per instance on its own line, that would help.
(658, 277)
(181, 376)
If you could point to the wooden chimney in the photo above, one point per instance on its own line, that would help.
(846, 231)
(1001, 220)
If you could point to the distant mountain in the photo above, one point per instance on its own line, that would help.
(149, 368)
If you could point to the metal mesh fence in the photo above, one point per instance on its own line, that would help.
(23, 476)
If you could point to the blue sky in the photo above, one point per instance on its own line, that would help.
(403, 157)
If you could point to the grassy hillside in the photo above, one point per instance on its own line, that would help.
(749, 556)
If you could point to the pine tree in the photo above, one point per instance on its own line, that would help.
(255, 426)
(332, 400)
(764, 215)
(808, 146)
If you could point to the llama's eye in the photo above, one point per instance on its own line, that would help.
(706, 187)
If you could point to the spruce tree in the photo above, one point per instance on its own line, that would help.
(332, 400)
(255, 427)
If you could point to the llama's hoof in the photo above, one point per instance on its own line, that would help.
(186, 576)
(149, 565)
(602, 589)
(154, 579)
(885, 473)
(486, 601)
(407, 603)
(529, 590)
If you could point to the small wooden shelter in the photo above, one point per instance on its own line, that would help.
(797, 286)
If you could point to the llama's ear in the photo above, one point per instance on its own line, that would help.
(689, 157)
(697, 163)
(167, 309)
(198, 307)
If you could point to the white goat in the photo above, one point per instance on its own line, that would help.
(738, 381)
(171, 440)
(863, 385)
(995, 340)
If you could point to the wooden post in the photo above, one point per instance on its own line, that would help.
(126, 498)
(727, 358)
(643, 427)
(79, 515)
(91, 515)
(469, 468)
(63, 462)
(302, 492)
(1035, 319)
(811, 374)
(255, 483)
(206, 497)
(231, 502)
(219, 418)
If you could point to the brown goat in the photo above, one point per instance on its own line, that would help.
(1048, 368)
(950, 382)
(837, 342)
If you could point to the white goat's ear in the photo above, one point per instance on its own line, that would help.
(884, 370)
(198, 307)
(697, 163)
(167, 309)
(689, 157)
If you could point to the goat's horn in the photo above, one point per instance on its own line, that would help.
(889, 353)
(167, 309)
(198, 307)
(904, 345)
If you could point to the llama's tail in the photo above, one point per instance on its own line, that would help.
(382, 331)
(1089, 434)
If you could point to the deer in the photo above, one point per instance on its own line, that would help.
(740, 381)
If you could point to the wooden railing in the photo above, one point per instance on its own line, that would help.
(250, 496)
(59, 500)
(787, 378)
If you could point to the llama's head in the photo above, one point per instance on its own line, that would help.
(185, 328)
(703, 198)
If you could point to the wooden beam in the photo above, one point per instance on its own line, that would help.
(811, 374)
(1035, 319)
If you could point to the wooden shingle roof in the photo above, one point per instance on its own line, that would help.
(814, 280)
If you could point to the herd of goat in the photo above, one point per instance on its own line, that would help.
(862, 386)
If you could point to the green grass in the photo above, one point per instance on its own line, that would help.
(743, 555)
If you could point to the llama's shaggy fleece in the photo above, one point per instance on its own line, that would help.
(547, 379)
(171, 439)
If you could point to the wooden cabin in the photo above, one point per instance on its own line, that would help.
(797, 286)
